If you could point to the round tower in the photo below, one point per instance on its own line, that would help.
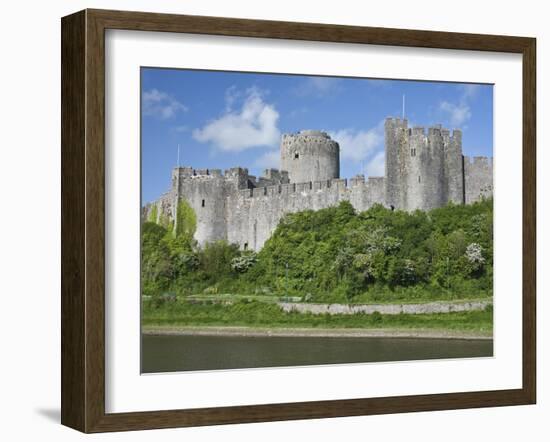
(310, 155)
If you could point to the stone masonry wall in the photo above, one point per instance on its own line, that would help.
(478, 178)
(255, 213)
(423, 171)
(385, 309)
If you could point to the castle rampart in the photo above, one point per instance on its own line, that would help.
(424, 169)
(255, 216)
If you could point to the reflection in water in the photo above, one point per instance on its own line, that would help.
(184, 353)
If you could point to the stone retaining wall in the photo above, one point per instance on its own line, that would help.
(385, 309)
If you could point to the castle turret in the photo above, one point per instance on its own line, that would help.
(423, 170)
(397, 147)
(310, 155)
(204, 191)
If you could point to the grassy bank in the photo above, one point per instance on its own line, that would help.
(264, 315)
(398, 297)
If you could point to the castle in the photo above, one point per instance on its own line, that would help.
(422, 171)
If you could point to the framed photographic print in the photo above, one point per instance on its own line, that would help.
(269, 220)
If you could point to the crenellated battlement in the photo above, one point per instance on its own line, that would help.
(191, 173)
(419, 132)
(336, 184)
(238, 176)
(397, 122)
(479, 161)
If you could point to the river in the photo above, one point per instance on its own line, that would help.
(167, 353)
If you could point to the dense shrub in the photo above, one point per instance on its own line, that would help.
(334, 255)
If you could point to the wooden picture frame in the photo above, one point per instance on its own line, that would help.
(83, 220)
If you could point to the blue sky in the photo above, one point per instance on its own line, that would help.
(228, 119)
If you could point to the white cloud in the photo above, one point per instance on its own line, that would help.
(269, 160)
(255, 124)
(231, 95)
(459, 113)
(376, 165)
(357, 146)
(161, 105)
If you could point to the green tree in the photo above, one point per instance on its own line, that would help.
(153, 214)
(157, 270)
(215, 258)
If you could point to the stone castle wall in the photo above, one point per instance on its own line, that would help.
(424, 170)
(248, 216)
(255, 213)
(478, 178)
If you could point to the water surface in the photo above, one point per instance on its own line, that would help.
(164, 353)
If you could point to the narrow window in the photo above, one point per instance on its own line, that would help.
(245, 247)
(202, 204)
(296, 155)
(418, 178)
